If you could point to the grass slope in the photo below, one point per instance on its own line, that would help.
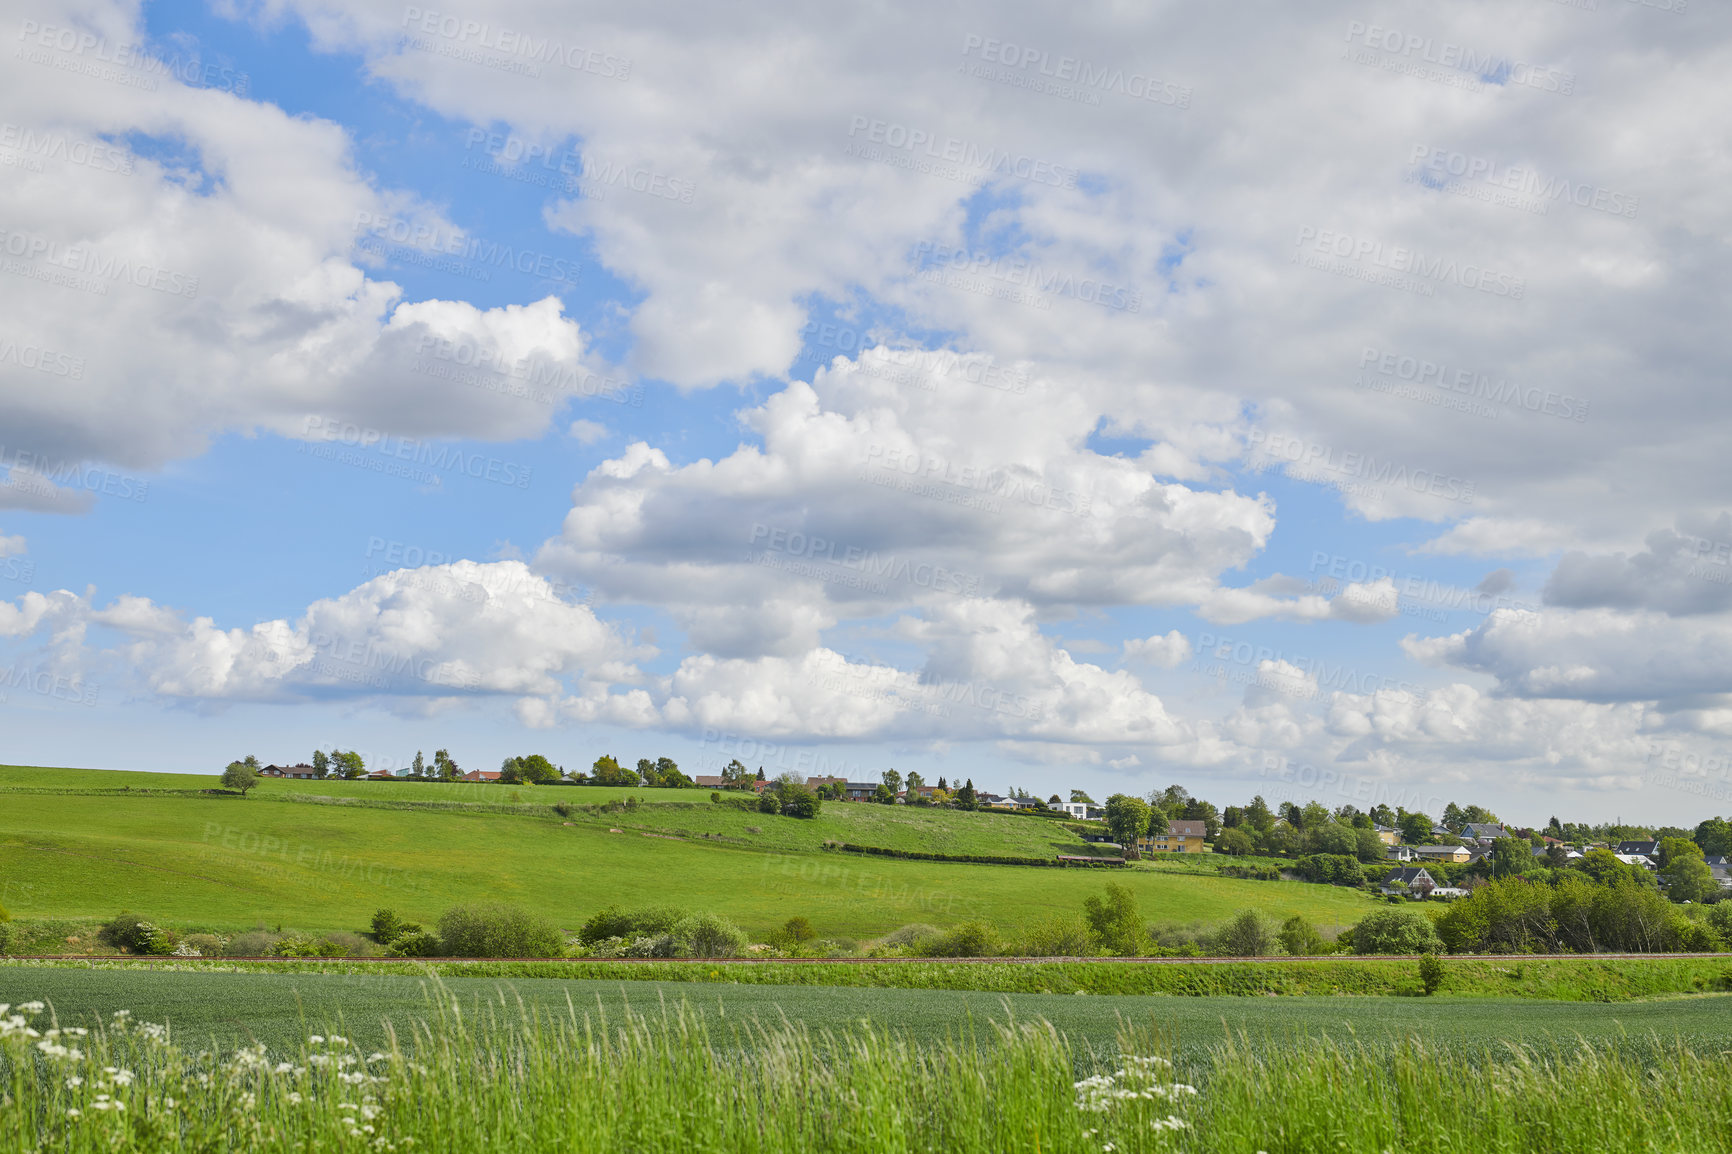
(196, 860)
(280, 1008)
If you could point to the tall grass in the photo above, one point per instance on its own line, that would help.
(677, 1079)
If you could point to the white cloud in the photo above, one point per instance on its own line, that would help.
(586, 432)
(1167, 652)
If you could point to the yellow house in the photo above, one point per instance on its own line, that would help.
(1387, 836)
(1181, 837)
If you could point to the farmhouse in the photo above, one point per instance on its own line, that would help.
(481, 775)
(1415, 879)
(302, 770)
(1181, 837)
(1639, 848)
(1483, 832)
(1458, 854)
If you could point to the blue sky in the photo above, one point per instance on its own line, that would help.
(1178, 496)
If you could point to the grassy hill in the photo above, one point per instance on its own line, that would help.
(72, 845)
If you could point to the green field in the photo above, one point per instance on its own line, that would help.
(281, 1008)
(73, 846)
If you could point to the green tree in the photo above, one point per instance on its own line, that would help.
(321, 763)
(1430, 974)
(1714, 836)
(1258, 815)
(967, 798)
(243, 777)
(1246, 935)
(445, 767)
(1383, 816)
(509, 773)
(1315, 815)
(537, 770)
(1331, 837)
(893, 781)
(1452, 819)
(913, 783)
(1113, 920)
(790, 796)
(1236, 842)
(1127, 818)
(1299, 938)
(1509, 856)
(348, 764)
(418, 767)
(1416, 829)
(736, 776)
(1395, 930)
(1159, 823)
(884, 795)
(646, 769)
(608, 771)
(668, 774)
(1368, 847)
(1687, 876)
(1078, 796)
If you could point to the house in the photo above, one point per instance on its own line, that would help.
(1641, 848)
(288, 771)
(1638, 859)
(1386, 834)
(710, 781)
(1415, 878)
(1541, 851)
(480, 775)
(1457, 854)
(1447, 893)
(924, 791)
(1398, 853)
(381, 775)
(816, 783)
(860, 790)
(1181, 837)
(1718, 859)
(1082, 810)
(1483, 832)
(1723, 875)
(1441, 831)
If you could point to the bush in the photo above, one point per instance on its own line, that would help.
(1397, 930)
(1056, 937)
(1236, 842)
(611, 922)
(1299, 938)
(252, 944)
(1247, 935)
(709, 936)
(1114, 923)
(200, 946)
(1332, 869)
(498, 931)
(416, 943)
(5, 937)
(1430, 974)
(306, 946)
(907, 937)
(135, 935)
(971, 939)
(387, 926)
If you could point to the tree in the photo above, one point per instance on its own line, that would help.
(966, 798)
(1554, 828)
(1236, 842)
(537, 770)
(1127, 817)
(1113, 920)
(349, 764)
(418, 768)
(1395, 930)
(1080, 796)
(508, 772)
(1233, 817)
(646, 769)
(1430, 974)
(321, 763)
(893, 781)
(1292, 814)
(445, 767)
(239, 775)
(1510, 856)
(1258, 816)
(1714, 836)
(1368, 846)
(1159, 823)
(1247, 935)
(788, 795)
(1300, 939)
(884, 795)
(1452, 819)
(608, 771)
(1315, 815)
(1383, 815)
(735, 775)
(1332, 838)
(913, 783)
(1415, 829)
(1199, 810)
(1687, 876)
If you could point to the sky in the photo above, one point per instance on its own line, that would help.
(1309, 403)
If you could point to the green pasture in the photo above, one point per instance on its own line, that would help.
(200, 861)
(280, 1008)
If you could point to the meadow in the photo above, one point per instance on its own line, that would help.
(75, 848)
(504, 1072)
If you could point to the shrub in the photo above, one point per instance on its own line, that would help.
(252, 944)
(417, 943)
(200, 946)
(799, 929)
(387, 926)
(5, 937)
(709, 936)
(306, 946)
(1236, 842)
(611, 922)
(132, 933)
(1332, 869)
(1397, 930)
(907, 937)
(1056, 937)
(562, 809)
(1299, 938)
(1114, 923)
(971, 939)
(498, 931)
(1247, 935)
(1430, 974)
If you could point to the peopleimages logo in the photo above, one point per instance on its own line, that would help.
(858, 561)
(1314, 459)
(392, 451)
(1365, 252)
(88, 54)
(460, 33)
(32, 356)
(1415, 51)
(1021, 273)
(424, 237)
(1073, 70)
(95, 154)
(1470, 384)
(950, 156)
(1449, 171)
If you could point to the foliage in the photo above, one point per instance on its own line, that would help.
(388, 927)
(498, 931)
(417, 943)
(608, 771)
(1127, 818)
(1058, 936)
(1714, 836)
(1245, 935)
(971, 939)
(1299, 938)
(708, 936)
(1430, 974)
(321, 763)
(307, 946)
(1333, 869)
(1687, 876)
(799, 929)
(445, 767)
(135, 935)
(241, 776)
(1395, 930)
(1236, 842)
(348, 764)
(1510, 856)
(1577, 915)
(1114, 923)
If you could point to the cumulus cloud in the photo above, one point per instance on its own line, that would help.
(1167, 652)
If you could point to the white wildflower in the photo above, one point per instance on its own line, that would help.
(32, 1007)
(74, 1082)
